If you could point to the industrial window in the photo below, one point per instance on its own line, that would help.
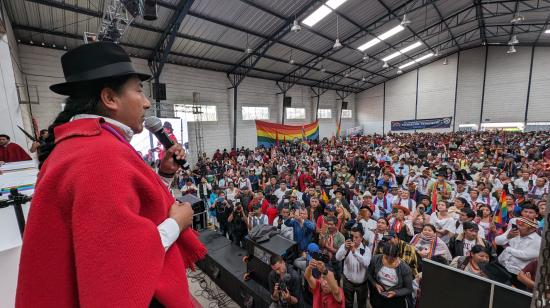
(295, 113)
(324, 114)
(346, 114)
(255, 113)
(193, 113)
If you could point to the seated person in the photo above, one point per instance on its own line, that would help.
(326, 292)
(429, 245)
(522, 246)
(461, 244)
(473, 263)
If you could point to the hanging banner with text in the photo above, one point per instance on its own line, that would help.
(421, 124)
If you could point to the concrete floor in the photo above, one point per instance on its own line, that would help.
(205, 298)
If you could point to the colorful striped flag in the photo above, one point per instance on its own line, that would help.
(269, 133)
(501, 215)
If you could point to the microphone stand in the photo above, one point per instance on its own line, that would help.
(17, 200)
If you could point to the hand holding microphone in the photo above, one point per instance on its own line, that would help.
(175, 154)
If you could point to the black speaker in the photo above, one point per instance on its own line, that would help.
(159, 91)
(150, 10)
(344, 105)
(287, 102)
(260, 254)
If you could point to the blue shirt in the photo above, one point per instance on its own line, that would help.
(302, 234)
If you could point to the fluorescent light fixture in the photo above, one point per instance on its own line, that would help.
(407, 65)
(369, 44)
(539, 123)
(334, 4)
(402, 51)
(547, 31)
(317, 16)
(411, 47)
(424, 57)
(393, 31)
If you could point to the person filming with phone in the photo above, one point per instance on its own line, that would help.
(356, 258)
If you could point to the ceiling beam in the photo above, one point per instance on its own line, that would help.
(78, 37)
(164, 45)
(351, 39)
(480, 21)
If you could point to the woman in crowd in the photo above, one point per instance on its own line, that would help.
(479, 256)
(428, 244)
(400, 225)
(443, 222)
(486, 222)
(390, 279)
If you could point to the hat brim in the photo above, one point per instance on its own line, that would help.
(67, 88)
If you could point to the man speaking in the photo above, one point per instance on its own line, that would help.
(103, 229)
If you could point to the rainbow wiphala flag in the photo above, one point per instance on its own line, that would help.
(270, 134)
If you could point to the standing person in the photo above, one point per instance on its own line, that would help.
(128, 246)
(237, 225)
(390, 280)
(41, 140)
(326, 292)
(356, 258)
(11, 152)
(284, 285)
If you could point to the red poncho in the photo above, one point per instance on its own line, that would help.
(91, 238)
(13, 152)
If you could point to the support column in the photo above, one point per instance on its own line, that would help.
(529, 85)
(483, 89)
(235, 99)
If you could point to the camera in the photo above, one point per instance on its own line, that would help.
(349, 237)
(319, 256)
(386, 238)
(421, 210)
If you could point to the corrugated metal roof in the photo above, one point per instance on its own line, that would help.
(263, 18)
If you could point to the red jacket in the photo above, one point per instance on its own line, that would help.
(91, 239)
(12, 153)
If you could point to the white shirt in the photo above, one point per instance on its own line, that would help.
(520, 252)
(388, 277)
(355, 264)
(468, 246)
(523, 184)
(493, 202)
(287, 232)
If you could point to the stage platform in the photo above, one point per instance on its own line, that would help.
(224, 265)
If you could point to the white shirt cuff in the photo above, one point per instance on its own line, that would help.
(169, 231)
(167, 181)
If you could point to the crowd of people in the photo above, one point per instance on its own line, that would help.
(366, 211)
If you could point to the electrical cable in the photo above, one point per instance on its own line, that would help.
(209, 290)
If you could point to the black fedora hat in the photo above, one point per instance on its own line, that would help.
(93, 62)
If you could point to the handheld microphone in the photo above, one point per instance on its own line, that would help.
(154, 125)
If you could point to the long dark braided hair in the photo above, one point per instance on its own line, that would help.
(85, 100)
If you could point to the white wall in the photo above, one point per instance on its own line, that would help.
(42, 68)
(470, 86)
(506, 85)
(505, 92)
(370, 108)
(10, 109)
(400, 99)
(436, 96)
(539, 99)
